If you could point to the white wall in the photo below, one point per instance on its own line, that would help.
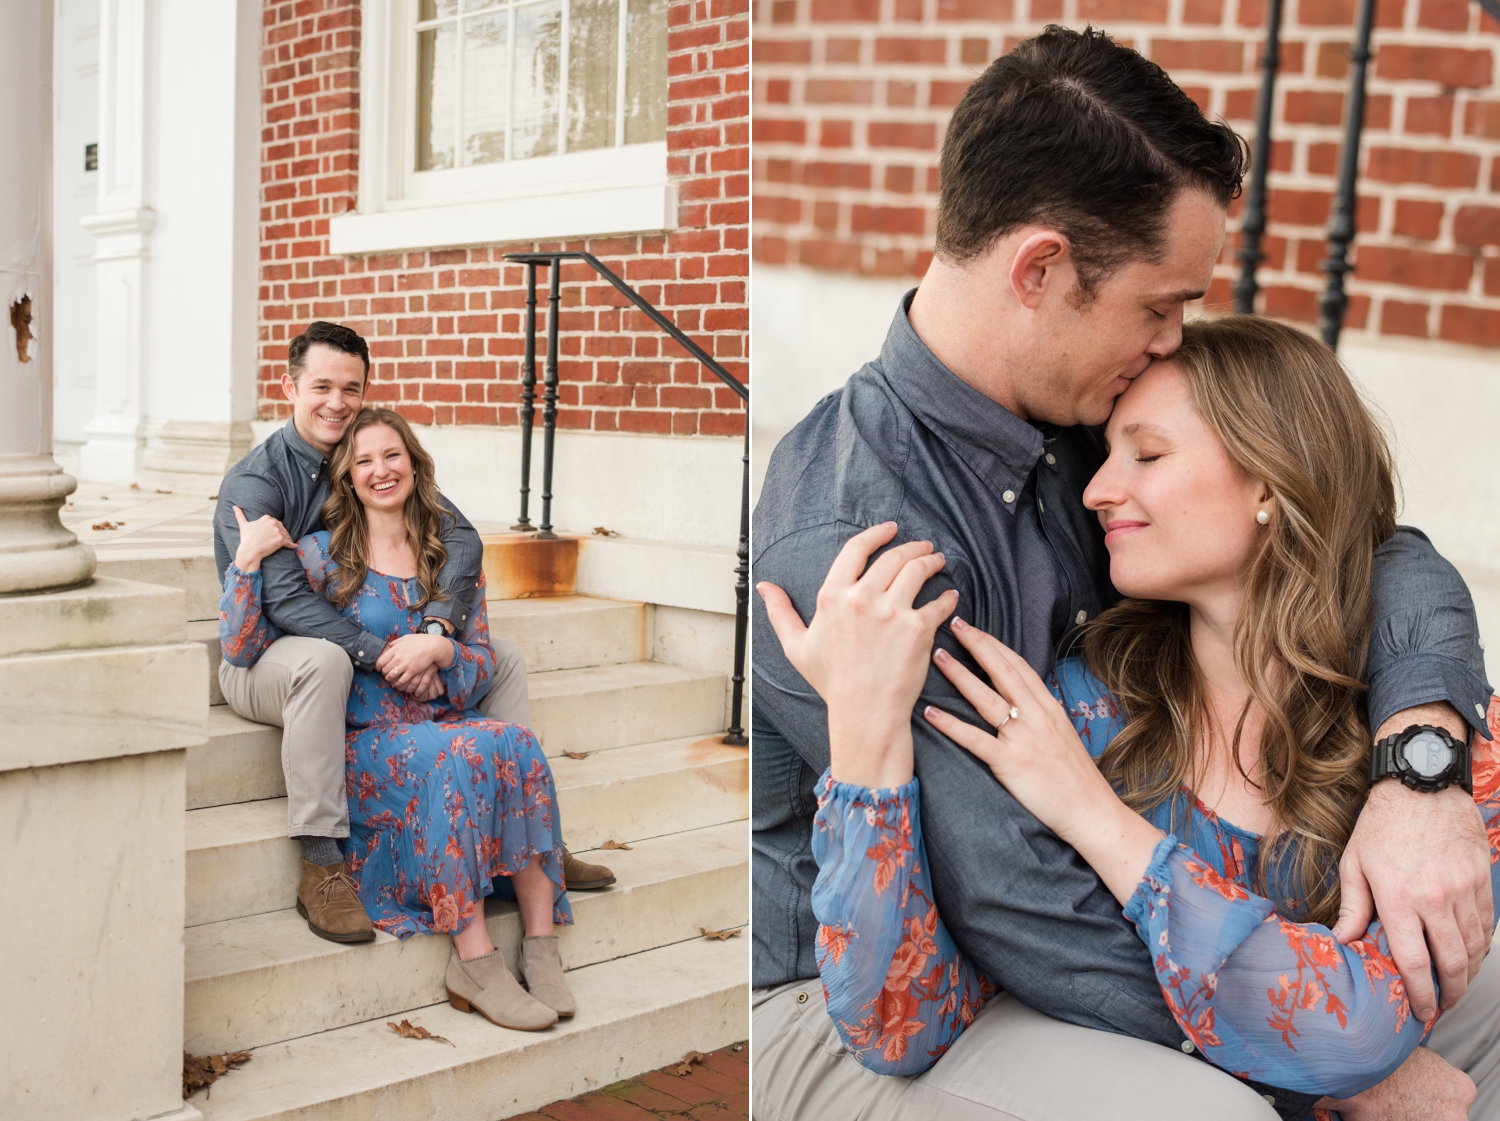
(811, 330)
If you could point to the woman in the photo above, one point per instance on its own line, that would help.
(1208, 756)
(441, 799)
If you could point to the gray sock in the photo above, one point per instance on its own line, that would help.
(321, 851)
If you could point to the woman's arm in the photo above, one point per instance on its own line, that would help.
(899, 991)
(244, 631)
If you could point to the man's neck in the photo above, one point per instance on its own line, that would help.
(954, 313)
(325, 450)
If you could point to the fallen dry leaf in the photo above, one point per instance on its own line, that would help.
(135, 486)
(107, 525)
(721, 935)
(576, 754)
(600, 531)
(408, 1030)
(613, 845)
(199, 1071)
(687, 1063)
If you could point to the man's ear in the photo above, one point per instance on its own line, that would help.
(289, 387)
(1035, 267)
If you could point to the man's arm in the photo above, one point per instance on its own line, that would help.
(288, 600)
(460, 574)
(1421, 861)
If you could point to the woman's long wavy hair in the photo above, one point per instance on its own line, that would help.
(344, 513)
(1288, 415)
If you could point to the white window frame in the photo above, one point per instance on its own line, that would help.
(576, 194)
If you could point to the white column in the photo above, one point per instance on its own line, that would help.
(36, 552)
(115, 438)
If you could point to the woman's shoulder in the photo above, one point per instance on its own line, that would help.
(314, 545)
(1094, 710)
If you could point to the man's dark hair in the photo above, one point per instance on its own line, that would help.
(322, 333)
(1073, 131)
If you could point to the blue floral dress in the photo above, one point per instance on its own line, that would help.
(442, 799)
(1261, 996)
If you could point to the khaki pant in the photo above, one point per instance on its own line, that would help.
(302, 686)
(1015, 1064)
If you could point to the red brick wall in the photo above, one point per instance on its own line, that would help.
(445, 326)
(852, 96)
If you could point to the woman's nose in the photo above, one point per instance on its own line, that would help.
(1102, 492)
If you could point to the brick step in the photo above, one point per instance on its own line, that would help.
(635, 1014)
(571, 710)
(266, 978)
(240, 861)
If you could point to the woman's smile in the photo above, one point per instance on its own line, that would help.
(1119, 527)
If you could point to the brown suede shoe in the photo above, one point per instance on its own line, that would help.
(542, 972)
(484, 985)
(578, 876)
(329, 903)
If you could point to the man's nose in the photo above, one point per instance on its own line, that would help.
(1169, 338)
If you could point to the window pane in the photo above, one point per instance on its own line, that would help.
(538, 51)
(646, 72)
(485, 66)
(436, 66)
(593, 73)
(433, 9)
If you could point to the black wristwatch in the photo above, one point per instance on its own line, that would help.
(433, 626)
(1424, 758)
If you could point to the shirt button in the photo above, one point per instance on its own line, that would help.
(1083, 617)
(361, 654)
(1269, 1099)
(1479, 708)
(1187, 1047)
(1009, 496)
(1041, 506)
(1051, 459)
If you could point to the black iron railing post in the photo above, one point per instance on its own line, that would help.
(1334, 303)
(549, 403)
(1253, 228)
(553, 261)
(736, 734)
(528, 398)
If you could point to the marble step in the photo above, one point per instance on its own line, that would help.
(241, 862)
(266, 978)
(571, 710)
(635, 1014)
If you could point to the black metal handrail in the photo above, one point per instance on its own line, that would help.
(552, 262)
(1253, 228)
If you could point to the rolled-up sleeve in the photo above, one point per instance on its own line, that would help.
(1424, 646)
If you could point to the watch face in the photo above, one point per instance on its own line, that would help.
(1428, 754)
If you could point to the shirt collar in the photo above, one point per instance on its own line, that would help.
(999, 445)
(309, 455)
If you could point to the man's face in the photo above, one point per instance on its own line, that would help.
(1087, 355)
(327, 395)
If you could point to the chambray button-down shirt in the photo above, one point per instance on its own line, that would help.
(287, 477)
(906, 440)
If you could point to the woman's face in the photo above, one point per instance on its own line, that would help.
(1178, 514)
(381, 469)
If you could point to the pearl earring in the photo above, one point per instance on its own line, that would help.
(1263, 517)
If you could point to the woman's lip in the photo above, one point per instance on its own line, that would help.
(1118, 529)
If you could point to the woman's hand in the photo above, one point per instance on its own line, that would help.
(1037, 755)
(405, 660)
(866, 651)
(258, 540)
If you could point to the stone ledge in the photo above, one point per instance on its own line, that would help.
(700, 577)
(78, 705)
(106, 612)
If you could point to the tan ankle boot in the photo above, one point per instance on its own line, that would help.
(484, 985)
(327, 900)
(541, 969)
(580, 875)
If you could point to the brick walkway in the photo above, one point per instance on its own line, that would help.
(718, 1089)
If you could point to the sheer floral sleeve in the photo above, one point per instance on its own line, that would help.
(473, 656)
(1280, 1001)
(244, 631)
(898, 989)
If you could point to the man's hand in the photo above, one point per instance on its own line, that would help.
(258, 540)
(1424, 1088)
(406, 659)
(1422, 862)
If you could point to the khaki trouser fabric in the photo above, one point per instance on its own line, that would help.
(301, 685)
(1016, 1064)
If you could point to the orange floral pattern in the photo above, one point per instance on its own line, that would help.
(444, 803)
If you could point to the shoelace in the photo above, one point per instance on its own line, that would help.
(327, 885)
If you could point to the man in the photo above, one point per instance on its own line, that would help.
(302, 681)
(1083, 200)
